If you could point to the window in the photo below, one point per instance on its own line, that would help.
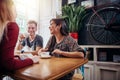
(26, 10)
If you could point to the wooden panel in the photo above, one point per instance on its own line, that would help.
(107, 72)
(88, 75)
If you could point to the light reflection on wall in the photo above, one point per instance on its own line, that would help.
(26, 10)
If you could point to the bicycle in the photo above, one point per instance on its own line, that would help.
(104, 24)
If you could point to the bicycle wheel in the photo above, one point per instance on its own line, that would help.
(104, 26)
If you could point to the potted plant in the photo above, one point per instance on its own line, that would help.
(73, 16)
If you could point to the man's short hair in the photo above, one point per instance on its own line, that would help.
(32, 22)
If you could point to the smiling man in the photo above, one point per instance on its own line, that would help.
(33, 40)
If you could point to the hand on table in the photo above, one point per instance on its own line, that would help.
(42, 50)
(57, 51)
(35, 59)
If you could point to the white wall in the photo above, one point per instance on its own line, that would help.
(47, 12)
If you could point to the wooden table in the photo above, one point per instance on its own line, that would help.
(50, 69)
(26, 52)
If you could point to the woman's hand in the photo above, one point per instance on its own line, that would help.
(57, 51)
(42, 50)
(35, 59)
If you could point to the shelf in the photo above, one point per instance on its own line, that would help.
(100, 46)
(105, 53)
(104, 62)
(107, 63)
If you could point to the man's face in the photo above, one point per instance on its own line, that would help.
(32, 28)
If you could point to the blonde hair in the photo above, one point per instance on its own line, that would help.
(32, 22)
(5, 15)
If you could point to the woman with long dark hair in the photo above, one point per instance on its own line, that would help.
(61, 44)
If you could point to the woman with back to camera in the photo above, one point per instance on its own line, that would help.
(61, 44)
(8, 37)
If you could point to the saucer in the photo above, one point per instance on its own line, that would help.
(45, 56)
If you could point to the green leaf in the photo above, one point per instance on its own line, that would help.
(73, 16)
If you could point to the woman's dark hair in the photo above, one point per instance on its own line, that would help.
(64, 28)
